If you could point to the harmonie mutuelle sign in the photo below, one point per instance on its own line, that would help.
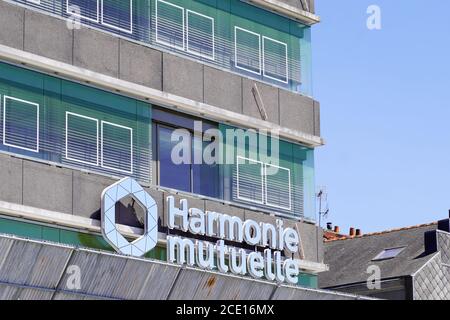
(273, 239)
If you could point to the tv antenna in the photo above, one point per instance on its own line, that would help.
(322, 198)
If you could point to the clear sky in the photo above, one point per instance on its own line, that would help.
(385, 99)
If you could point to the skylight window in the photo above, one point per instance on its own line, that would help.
(388, 254)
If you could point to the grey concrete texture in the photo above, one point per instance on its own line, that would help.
(182, 77)
(47, 187)
(12, 22)
(317, 129)
(107, 54)
(296, 112)
(48, 36)
(11, 177)
(269, 97)
(87, 189)
(223, 89)
(140, 64)
(96, 51)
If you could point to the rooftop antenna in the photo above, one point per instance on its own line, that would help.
(322, 198)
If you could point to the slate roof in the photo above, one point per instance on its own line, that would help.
(349, 258)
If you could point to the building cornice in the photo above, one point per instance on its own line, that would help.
(155, 96)
(287, 10)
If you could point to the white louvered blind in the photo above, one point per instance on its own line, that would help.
(86, 9)
(117, 147)
(200, 34)
(82, 140)
(169, 24)
(247, 50)
(118, 14)
(262, 183)
(250, 180)
(20, 124)
(278, 187)
(275, 59)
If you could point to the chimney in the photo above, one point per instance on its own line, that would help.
(444, 224)
(352, 232)
(336, 229)
(358, 233)
(329, 226)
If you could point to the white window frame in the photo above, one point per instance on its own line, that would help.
(236, 28)
(263, 59)
(131, 147)
(156, 26)
(4, 123)
(130, 31)
(67, 138)
(213, 35)
(34, 1)
(81, 16)
(238, 181)
(265, 187)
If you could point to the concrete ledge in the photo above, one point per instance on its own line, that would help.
(287, 10)
(152, 95)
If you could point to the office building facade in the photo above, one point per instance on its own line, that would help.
(95, 91)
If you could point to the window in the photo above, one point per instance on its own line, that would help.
(200, 34)
(263, 183)
(171, 175)
(85, 9)
(118, 14)
(81, 139)
(247, 50)
(278, 186)
(388, 254)
(20, 124)
(117, 147)
(275, 60)
(250, 180)
(176, 154)
(169, 24)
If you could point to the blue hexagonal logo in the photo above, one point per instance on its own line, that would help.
(113, 194)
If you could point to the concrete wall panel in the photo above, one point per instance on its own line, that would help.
(48, 36)
(182, 77)
(87, 190)
(296, 112)
(11, 25)
(223, 89)
(269, 96)
(140, 64)
(96, 51)
(317, 129)
(11, 176)
(47, 187)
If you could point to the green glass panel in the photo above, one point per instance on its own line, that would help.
(308, 280)
(20, 229)
(50, 234)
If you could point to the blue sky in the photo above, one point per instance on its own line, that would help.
(385, 98)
